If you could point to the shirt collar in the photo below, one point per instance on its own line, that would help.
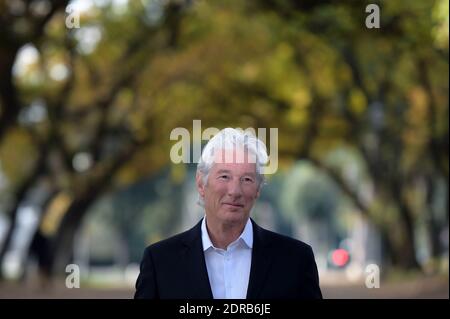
(246, 236)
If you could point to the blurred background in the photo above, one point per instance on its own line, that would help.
(91, 89)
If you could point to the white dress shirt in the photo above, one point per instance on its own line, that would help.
(229, 270)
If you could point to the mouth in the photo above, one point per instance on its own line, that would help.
(236, 205)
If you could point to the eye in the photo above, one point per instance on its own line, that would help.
(248, 180)
(224, 177)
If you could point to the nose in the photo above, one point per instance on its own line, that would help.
(234, 189)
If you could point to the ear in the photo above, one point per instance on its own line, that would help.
(199, 183)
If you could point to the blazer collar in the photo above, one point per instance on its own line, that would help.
(261, 261)
(196, 265)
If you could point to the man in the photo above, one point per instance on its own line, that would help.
(227, 255)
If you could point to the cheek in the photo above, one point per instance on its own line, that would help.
(250, 194)
(217, 191)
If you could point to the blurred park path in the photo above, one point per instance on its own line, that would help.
(425, 288)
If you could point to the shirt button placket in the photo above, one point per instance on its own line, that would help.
(227, 274)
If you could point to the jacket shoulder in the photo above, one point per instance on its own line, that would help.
(279, 240)
(171, 243)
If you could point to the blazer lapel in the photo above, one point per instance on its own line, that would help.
(197, 274)
(260, 265)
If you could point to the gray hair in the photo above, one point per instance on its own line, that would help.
(232, 139)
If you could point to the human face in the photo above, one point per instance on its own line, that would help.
(230, 191)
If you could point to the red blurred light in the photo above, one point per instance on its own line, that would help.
(340, 257)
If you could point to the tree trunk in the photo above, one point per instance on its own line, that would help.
(20, 196)
(8, 94)
(431, 222)
(62, 247)
(62, 244)
(407, 255)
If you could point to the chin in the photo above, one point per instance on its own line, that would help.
(234, 215)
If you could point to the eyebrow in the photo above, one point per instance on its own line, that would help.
(220, 171)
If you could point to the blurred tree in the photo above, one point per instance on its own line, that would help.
(373, 90)
(84, 140)
(94, 108)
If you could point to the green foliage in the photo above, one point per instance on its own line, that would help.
(116, 87)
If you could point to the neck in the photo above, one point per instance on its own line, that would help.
(222, 235)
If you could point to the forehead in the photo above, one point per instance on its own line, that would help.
(236, 161)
